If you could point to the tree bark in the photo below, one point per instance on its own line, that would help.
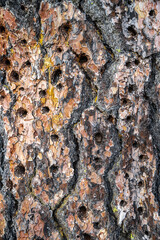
(80, 125)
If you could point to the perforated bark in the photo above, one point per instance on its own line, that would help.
(79, 126)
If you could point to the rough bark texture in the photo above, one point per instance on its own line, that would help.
(80, 125)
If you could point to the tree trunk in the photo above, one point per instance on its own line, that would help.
(80, 125)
